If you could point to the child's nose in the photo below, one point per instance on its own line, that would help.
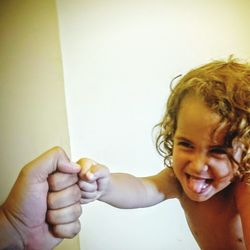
(198, 164)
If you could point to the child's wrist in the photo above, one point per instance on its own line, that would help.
(102, 196)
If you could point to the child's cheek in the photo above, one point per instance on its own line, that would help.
(222, 169)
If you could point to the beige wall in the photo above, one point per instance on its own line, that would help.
(32, 104)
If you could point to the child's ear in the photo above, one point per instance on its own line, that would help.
(238, 149)
(237, 154)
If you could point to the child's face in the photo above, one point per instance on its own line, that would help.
(200, 161)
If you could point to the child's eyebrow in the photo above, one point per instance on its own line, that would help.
(217, 145)
(182, 138)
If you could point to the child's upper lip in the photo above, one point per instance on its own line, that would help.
(199, 177)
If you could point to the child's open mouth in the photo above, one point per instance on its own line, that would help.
(198, 184)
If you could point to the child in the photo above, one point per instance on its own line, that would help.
(204, 137)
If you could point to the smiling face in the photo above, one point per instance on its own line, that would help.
(200, 161)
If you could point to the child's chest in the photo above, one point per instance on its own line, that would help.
(215, 223)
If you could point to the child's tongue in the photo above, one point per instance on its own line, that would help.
(196, 184)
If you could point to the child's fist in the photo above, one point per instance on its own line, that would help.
(94, 179)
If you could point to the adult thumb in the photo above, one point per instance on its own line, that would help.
(49, 162)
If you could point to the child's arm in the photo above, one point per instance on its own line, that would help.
(124, 190)
(243, 205)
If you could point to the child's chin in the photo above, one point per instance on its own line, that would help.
(199, 197)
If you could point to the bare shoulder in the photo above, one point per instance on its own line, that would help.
(166, 183)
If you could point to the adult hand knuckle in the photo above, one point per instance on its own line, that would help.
(50, 201)
(51, 217)
(78, 211)
(56, 230)
(77, 192)
(52, 182)
(77, 228)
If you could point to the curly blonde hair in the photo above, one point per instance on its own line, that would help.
(225, 88)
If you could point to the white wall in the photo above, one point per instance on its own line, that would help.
(32, 102)
(119, 57)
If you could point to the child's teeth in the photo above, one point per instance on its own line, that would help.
(197, 185)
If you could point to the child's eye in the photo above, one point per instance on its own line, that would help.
(185, 144)
(218, 150)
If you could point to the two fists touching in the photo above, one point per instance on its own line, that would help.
(44, 204)
(88, 185)
(94, 180)
(67, 191)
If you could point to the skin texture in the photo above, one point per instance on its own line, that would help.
(216, 205)
(24, 219)
(199, 157)
(200, 160)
